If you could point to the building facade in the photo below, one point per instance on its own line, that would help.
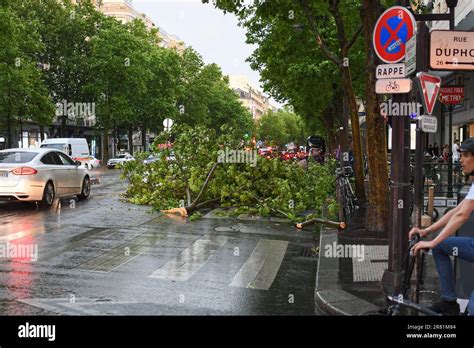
(124, 11)
(250, 96)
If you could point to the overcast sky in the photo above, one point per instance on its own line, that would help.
(217, 37)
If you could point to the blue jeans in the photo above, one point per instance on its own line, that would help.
(464, 248)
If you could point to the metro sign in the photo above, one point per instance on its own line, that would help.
(451, 95)
(430, 86)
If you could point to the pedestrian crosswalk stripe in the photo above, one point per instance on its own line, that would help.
(261, 268)
(118, 256)
(183, 266)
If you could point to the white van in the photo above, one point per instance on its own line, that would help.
(77, 148)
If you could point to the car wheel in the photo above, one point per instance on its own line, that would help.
(48, 195)
(86, 188)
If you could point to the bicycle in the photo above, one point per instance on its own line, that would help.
(411, 204)
(345, 191)
(399, 302)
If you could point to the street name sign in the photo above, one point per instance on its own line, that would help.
(390, 71)
(429, 90)
(391, 32)
(451, 95)
(410, 56)
(451, 50)
(393, 86)
(429, 124)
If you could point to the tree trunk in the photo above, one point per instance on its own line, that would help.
(105, 145)
(9, 132)
(130, 140)
(378, 208)
(144, 138)
(41, 132)
(117, 139)
(356, 143)
(63, 127)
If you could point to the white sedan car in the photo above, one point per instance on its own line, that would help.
(119, 159)
(91, 162)
(41, 175)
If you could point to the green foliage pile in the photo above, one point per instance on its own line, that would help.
(265, 187)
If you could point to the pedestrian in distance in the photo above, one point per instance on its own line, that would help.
(444, 245)
(436, 150)
(445, 152)
(429, 151)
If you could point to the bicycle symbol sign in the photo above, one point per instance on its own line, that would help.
(393, 29)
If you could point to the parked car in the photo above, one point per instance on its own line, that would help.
(150, 159)
(287, 155)
(268, 152)
(91, 162)
(41, 175)
(119, 159)
(156, 156)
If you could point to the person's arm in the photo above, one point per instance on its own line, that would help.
(437, 225)
(458, 219)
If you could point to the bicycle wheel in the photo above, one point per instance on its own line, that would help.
(349, 199)
(435, 213)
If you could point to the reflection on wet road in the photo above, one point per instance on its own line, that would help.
(107, 257)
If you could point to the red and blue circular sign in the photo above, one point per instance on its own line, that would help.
(392, 31)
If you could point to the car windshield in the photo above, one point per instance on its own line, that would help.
(121, 156)
(17, 156)
(54, 146)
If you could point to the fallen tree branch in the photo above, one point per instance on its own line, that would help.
(339, 225)
(184, 211)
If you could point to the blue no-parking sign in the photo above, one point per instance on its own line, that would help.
(392, 31)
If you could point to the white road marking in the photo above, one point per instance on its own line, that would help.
(261, 268)
(183, 266)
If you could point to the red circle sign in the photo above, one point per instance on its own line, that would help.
(393, 29)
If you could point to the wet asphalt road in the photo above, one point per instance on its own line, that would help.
(108, 257)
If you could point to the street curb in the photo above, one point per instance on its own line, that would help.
(329, 297)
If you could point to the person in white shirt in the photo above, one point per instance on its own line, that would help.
(456, 152)
(443, 245)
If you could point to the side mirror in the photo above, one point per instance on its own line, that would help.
(78, 163)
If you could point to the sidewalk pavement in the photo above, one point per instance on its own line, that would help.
(350, 284)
